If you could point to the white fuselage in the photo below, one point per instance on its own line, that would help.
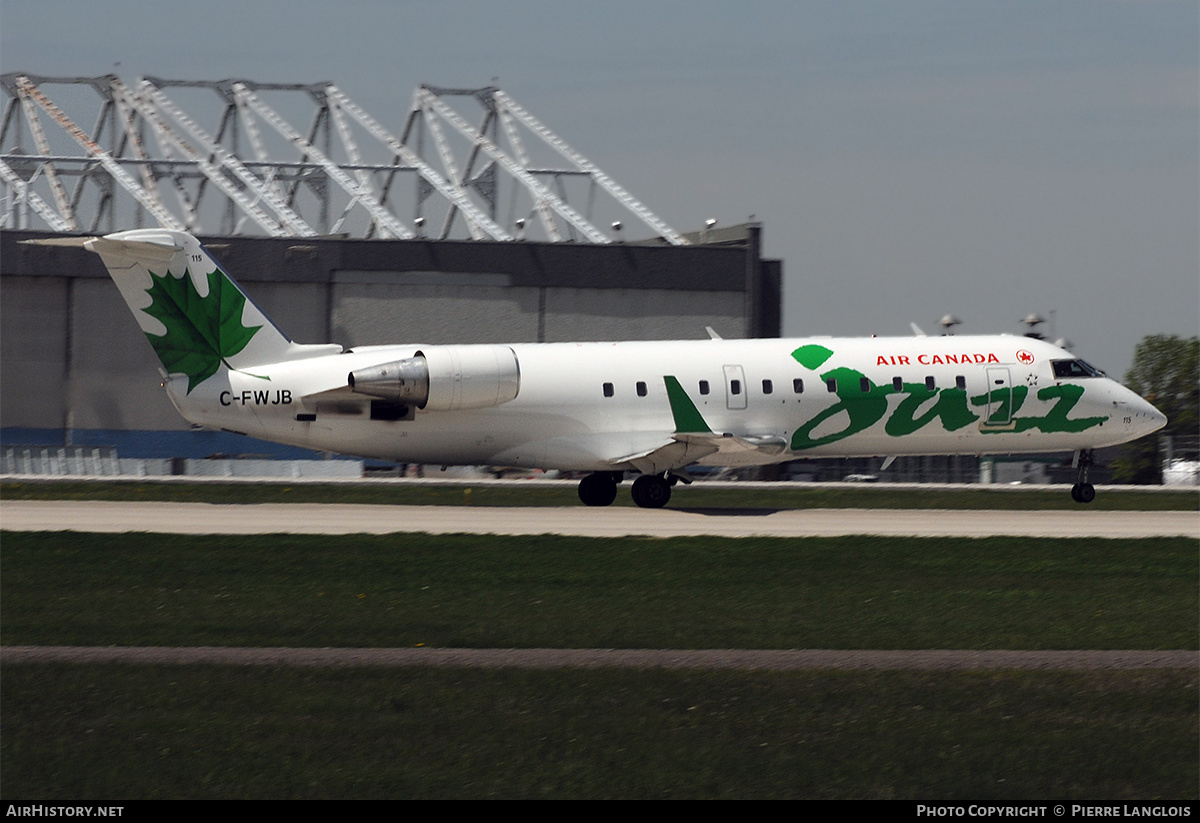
(590, 406)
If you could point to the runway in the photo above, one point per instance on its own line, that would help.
(209, 518)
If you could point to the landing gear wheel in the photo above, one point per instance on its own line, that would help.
(1083, 492)
(650, 491)
(598, 489)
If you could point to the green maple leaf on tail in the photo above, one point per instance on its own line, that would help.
(201, 331)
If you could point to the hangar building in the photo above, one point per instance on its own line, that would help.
(318, 242)
(77, 371)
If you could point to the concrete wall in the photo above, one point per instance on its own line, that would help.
(74, 360)
(34, 318)
(380, 313)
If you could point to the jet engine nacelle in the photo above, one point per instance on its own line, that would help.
(445, 378)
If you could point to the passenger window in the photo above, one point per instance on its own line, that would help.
(960, 383)
(831, 384)
(704, 387)
(735, 386)
(864, 385)
(930, 383)
(897, 384)
(641, 388)
(768, 387)
(608, 389)
(798, 386)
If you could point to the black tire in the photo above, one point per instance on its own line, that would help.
(651, 491)
(1083, 492)
(597, 490)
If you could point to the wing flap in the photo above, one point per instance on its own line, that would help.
(675, 454)
(687, 449)
(731, 444)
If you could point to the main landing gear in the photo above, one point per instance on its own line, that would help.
(1083, 491)
(600, 488)
(650, 491)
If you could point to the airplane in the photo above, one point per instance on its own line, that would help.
(652, 408)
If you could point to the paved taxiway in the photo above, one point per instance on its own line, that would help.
(208, 518)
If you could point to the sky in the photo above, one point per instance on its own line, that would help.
(907, 158)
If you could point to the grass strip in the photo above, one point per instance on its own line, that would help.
(752, 496)
(484, 591)
(119, 731)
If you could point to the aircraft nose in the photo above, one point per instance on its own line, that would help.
(1157, 419)
(1147, 419)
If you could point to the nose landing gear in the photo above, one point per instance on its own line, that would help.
(1083, 491)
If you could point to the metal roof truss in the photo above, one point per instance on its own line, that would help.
(256, 172)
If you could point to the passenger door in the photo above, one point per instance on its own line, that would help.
(999, 403)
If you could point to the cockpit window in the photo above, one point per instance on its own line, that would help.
(1075, 368)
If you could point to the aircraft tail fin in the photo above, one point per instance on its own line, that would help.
(196, 316)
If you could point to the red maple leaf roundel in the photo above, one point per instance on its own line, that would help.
(1025, 356)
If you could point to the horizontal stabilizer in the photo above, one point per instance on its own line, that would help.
(67, 242)
(156, 250)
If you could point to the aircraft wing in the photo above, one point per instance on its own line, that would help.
(694, 441)
(686, 449)
(674, 454)
(728, 444)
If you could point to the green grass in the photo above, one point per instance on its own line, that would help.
(563, 592)
(79, 732)
(72, 732)
(753, 496)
